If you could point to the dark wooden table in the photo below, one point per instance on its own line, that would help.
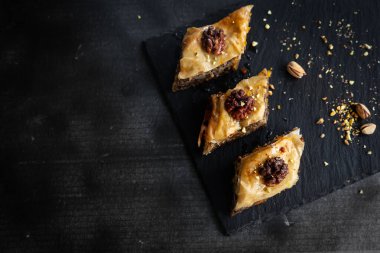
(90, 158)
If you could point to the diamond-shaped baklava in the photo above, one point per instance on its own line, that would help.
(235, 113)
(212, 50)
(268, 170)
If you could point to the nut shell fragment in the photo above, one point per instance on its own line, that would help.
(295, 70)
(368, 128)
(362, 111)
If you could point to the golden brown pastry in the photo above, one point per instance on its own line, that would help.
(268, 170)
(212, 50)
(235, 113)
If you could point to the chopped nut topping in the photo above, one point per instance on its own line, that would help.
(325, 163)
(323, 136)
(239, 105)
(267, 26)
(254, 43)
(273, 171)
(213, 40)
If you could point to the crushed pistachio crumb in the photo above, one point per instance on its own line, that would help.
(324, 39)
(365, 53)
(267, 26)
(346, 119)
(320, 121)
(254, 43)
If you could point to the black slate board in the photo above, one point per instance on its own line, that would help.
(300, 100)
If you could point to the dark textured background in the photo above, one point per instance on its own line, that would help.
(90, 158)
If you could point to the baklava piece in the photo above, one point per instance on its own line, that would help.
(212, 50)
(268, 170)
(235, 113)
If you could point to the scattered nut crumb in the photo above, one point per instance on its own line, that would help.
(351, 82)
(361, 191)
(322, 135)
(365, 53)
(369, 152)
(325, 163)
(320, 121)
(269, 12)
(254, 43)
(267, 26)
